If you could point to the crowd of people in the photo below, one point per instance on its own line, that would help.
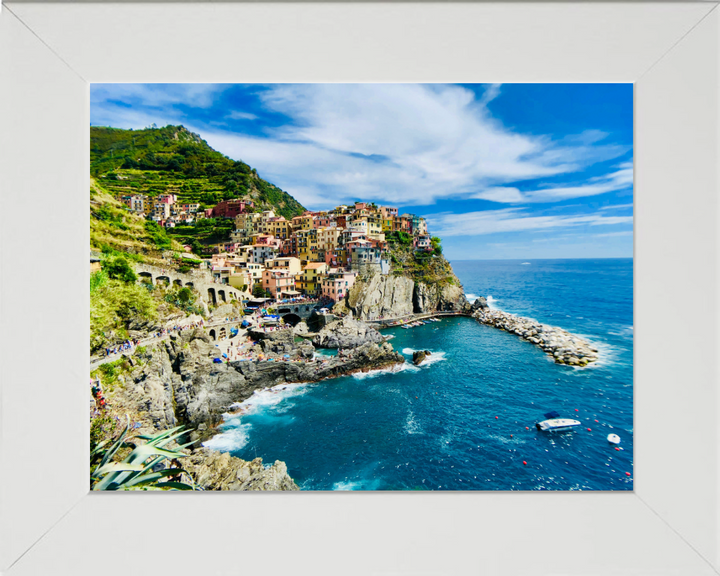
(122, 347)
(179, 328)
(97, 393)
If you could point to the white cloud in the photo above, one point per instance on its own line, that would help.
(621, 179)
(157, 95)
(512, 220)
(239, 115)
(502, 194)
(410, 144)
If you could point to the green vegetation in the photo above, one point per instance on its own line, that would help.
(115, 231)
(157, 235)
(173, 160)
(135, 471)
(206, 231)
(184, 299)
(117, 268)
(113, 305)
(110, 371)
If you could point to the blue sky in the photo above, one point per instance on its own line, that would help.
(500, 171)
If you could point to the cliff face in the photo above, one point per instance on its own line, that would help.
(437, 297)
(177, 382)
(381, 296)
(398, 296)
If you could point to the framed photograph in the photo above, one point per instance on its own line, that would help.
(474, 258)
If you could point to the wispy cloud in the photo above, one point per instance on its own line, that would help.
(239, 115)
(513, 220)
(417, 143)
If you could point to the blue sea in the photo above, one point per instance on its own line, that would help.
(465, 420)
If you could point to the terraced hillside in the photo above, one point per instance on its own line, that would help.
(173, 160)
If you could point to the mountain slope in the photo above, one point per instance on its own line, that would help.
(173, 160)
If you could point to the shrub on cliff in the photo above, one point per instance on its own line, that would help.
(113, 305)
(118, 268)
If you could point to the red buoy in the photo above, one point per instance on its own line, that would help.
(597, 420)
(526, 428)
(496, 417)
(627, 473)
(618, 449)
(589, 430)
(510, 435)
(524, 463)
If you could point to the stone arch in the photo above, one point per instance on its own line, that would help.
(223, 333)
(189, 284)
(177, 282)
(221, 293)
(146, 277)
(297, 309)
(163, 279)
(233, 296)
(212, 334)
(212, 297)
(284, 311)
(291, 319)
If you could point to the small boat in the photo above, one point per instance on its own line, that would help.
(557, 425)
(613, 439)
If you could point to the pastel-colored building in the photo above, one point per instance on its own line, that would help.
(336, 284)
(278, 281)
(309, 281)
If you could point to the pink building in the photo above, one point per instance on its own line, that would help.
(277, 281)
(336, 284)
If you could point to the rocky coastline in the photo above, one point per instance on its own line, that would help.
(178, 381)
(562, 346)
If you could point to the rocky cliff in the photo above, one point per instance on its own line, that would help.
(379, 296)
(176, 381)
(346, 333)
(396, 296)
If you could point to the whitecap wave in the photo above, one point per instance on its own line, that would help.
(235, 435)
(407, 366)
(356, 485)
(432, 359)
(471, 297)
(411, 425)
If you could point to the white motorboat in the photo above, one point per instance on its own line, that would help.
(613, 439)
(557, 425)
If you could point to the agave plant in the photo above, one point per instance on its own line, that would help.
(135, 471)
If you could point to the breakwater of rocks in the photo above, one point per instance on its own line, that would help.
(562, 346)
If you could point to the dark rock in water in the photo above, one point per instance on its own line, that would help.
(480, 303)
(419, 356)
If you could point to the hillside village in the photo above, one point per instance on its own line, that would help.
(316, 255)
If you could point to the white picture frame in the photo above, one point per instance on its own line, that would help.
(50, 524)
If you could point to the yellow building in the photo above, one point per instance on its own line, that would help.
(307, 244)
(309, 282)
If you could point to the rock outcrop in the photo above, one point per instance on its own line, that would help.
(387, 297)
(438, 297)
(213, 470)
(419, 356)
(179, 383)
(562, 346)
(346, 333)
(381, 296)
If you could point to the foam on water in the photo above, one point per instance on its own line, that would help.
(432, 359)
(234, 436)
(234, 433)
(392, 370)
(411, 425)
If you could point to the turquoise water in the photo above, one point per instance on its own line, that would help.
(465, 421)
